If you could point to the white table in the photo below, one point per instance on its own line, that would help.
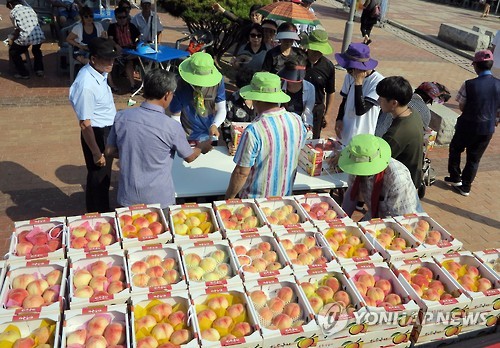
(209, 175)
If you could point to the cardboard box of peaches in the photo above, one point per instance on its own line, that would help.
(315, 155)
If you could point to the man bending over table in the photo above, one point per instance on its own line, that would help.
(267, 155)
(146, 140)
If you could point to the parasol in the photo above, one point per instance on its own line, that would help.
(289, 12)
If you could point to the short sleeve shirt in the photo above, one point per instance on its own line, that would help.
(322, 76)
(146, 26)
(91, 97)
(366, 123)
(147, 141)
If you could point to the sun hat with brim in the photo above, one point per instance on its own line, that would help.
(104, 48)
(317, 41)
(365, 155)
(357, 56)
(293, 74)
(265, 87)
(200, 70)
(290, 35)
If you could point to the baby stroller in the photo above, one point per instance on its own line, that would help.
(428, 173)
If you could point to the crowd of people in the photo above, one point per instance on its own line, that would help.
(286, 93)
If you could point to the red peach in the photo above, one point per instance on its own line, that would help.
(431, 295)
(76, 337)
(342, 296)
(140, 222)
(282, 321)
(242, 329)
(92, 235)
(147, 342)
(79, 243)
(115, 273)
(33, 301)
(332, 283)
(54, 244)
(437, 285)
(385, 285)
(40, 250)
(168, 263)
(99, 283)
(316, 303)
(235, 310)
(417, 289)
(16, 297)
(171, 276)
(361, 252)
(375, 294)
(393, 299)
(98, 268)
(180, 337)
(161, 311)
(83, 292)
(21, 281)
(420, 280)
(210, 334)
(115, 287)
(285, 294)
(139, 267)
(367, 279)
(81, 277)
(177, 319)
(155, 271)
(405, 274)
(471, 270)
(129, 231)
(152, 216)
(484, 284)
(325, 292)
(147, 322)
(97, 325)
(23, 248)
(54, 277)
(156, 227)
(425, 272)
(50, 296)
(107, 239)
(300, 248)
(153, 260)
(362, 288)
(26, 342)
(162, 331)
(115, 333)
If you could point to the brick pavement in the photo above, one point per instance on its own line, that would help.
(42, 168)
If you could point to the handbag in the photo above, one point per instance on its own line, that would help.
(376, 11)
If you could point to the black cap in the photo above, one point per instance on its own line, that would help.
(102, 47)
(292, 72)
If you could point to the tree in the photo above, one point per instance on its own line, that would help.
(198, 15)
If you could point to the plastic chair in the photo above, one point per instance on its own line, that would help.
(66, 50)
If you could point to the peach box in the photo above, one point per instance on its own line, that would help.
(414, 249)
(435, 332)
(92, 220)
(273, 203)
(483, 320)
(292, 336)
(447, 244)
(179, 301)
(200, 296)
(491, 259)
(164, 251)
(237, 129)
(350, 228)
(315, 198)
(77, 319)
(45, 224)
(296, 235)
(190, 208)
(141, 209)
(233, 205)
(39, 269)
(488, 300)
(250, 241)
(111, 258)
(401, 316)
(28, 322)
(432, 309)
(204, 249)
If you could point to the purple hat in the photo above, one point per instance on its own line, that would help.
(357, 56)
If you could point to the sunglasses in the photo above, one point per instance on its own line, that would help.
(255, 36)
(121, 17)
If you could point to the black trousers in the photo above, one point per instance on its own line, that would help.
(318, 117)
(15, 52)
(367, 23)
(474, 147)
(98, 178)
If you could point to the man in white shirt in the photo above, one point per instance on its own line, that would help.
(144, 21)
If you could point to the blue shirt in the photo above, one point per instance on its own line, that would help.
(196, 124)
(91, 97)
(270, 146)
(147, 141)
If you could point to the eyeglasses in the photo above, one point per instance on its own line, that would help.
(88, 16)
(258, 36)
(121, 17)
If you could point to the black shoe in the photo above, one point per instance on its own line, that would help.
(452, 182)
(21, 77)
(462, 190)
(368, 42)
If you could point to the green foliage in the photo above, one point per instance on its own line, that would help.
(198, 14)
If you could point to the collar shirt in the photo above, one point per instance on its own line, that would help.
(145, 26)
(25, 19)
(91, 97)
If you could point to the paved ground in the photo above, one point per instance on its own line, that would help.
(42, 168)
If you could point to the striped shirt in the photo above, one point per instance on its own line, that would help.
(271, 146)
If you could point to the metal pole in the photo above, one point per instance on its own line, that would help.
(348, 27)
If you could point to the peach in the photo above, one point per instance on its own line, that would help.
(50, 296)
(419, 234)
(168, 264)
(156, 227)
(385, 285)
(425, 272)
(259, 264)
(208, 264)
(223, 325)
(205, 318)
(240, 250)
(147, 322)
(235, 310)
(361, 252)
(423, 224)
(115, 287)
(152, 216)
(334, 244)
(92, 235)
(437, 285)
(405, 274)
(417, 289)
(42, 334)
(376, 294)
(79, 231)
(325, 292)
(384, 239)
(332, 283)
(104, 227)
(353, 240)
(129, 231)
(308, 288)
(345, 248)
(287, 244)
(140, 280)
(420, 280)
(145, 233)
(162, 331)
(255, 253)
(76, 337)
(210, 334)
(316, 303)
(54, 244)
(265, 316)
(258, 298)
(156, 281)
(270, 256)
(292, 254)
(431, 295)
(211, 276)
(40, 250)
(97, 325)
(79, 243)
(471, 270)
(33, 301)
(195, 273)
(342, 296)
(276, 305)
(177, 319)
(306, 206)
(155, 271)
(160, 311)
(250, 222)
(180, 337)
(484, 284)
(285, 294)
(242, 329)
(26, 342)
(21, 281)
(282, 321)
(153, 260)
(107, 239)
(316, 252)
(446, 296)
(293, 310)
(171, 276)
(147, 342)
(115, 273)
(451, 265)
(225, 214)
(115, 333)
(367, 279)
(93, 244)
(83, 292)
(369, 301)
(98, 268)
(99, 283)
(330, 214)
(24, 248)
(15, 297)
(125, 220)
(139, 267)
(309, 241)
(393, 299)
(140, 222)
(300, 248)
(362, 288)
(306, 259)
